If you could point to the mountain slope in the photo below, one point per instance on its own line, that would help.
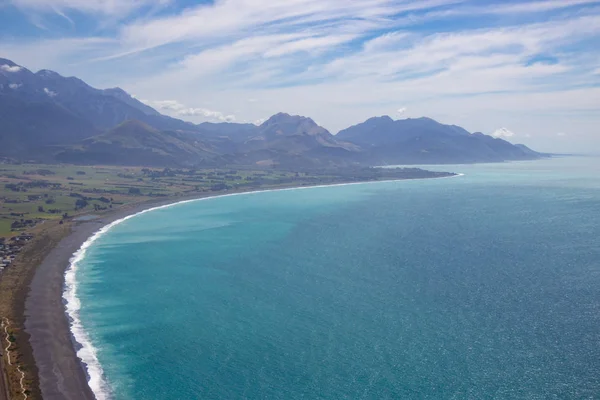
(292, 137)
(384, 130)
(28, 128)
(238, 133)
(423, 140)
(122, 95)
(136, 143)
(103, 108)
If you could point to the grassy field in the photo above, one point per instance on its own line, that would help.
(32, 193)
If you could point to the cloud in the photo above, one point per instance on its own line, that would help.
(108, 7)
(536, 6)
(259, 121)
(561, 134)
(173, 105)
(14, 85)
(203, 112)
(178, 109)
(235, 18)
(50, 92)
(503, 133)
(8, 68)
(70, 54)
(401, 110)
(313, 44)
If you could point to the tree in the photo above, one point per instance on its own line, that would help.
(80, 203)
(41, 209)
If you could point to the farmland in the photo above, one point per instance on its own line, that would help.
(33, 193)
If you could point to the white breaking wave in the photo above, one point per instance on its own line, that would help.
(87, 352)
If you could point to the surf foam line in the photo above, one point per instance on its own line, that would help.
(87, 353)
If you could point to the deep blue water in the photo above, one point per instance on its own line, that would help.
(477, 287)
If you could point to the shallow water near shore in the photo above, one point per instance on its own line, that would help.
(482, 286)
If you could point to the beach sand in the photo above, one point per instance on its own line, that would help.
(60, 372)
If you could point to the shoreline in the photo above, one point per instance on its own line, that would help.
(51, 306)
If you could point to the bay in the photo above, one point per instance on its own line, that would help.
(480, 286)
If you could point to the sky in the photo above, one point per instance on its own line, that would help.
(527, 71)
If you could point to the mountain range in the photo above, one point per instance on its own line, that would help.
(47, 117)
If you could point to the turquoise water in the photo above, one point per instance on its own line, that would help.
(481, 286)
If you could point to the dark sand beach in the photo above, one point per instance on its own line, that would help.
(61, 375)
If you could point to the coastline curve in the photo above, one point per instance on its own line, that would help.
(85, 351)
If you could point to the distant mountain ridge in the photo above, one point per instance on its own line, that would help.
(104, 108)
(423, 141)
(45, 116)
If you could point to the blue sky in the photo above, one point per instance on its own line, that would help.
(525, 70)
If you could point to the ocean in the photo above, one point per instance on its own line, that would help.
(481, 286)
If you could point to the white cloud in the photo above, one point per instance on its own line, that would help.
(503, 133)
(64, 54)
(537, 6)
(203, 112)
(216, 59)
(50, 92)
(561, 134)
(524, 7)
(8, 68)
(386, 41)
(109, 7)
(401, 110)
(236, 17)
(259, 121)
(177, 109)
(173, 105)
(313, 44)
(14, 85)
